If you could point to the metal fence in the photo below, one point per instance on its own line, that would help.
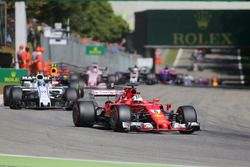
(74, 53)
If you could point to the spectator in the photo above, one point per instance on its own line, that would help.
(20, 56)
(187, 80)
(27, 58)
(40, 60)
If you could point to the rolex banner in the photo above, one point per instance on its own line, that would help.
(215, 28)
(11, 75)
(95, 49)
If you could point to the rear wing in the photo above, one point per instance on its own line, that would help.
(64, 67)
(28, 78)
(32, 78)
(106, 92)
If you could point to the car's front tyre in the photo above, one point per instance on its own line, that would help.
(16, 96)
(6, 94)
(84, 114)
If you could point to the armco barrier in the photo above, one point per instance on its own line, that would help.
(11, 75)
(75, 53)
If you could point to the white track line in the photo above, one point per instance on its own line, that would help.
(240, 67)
(1, 99)
(82, 160)
(177, 59)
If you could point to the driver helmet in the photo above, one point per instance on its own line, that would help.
(95, 67)
(40, 80)
(137, 99)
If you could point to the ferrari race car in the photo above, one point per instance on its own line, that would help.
(129, 112)
(38, 92)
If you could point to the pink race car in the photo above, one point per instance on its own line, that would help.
(97, 77)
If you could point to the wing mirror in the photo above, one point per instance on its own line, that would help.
(168, 106)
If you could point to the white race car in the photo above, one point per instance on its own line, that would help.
(38, 92)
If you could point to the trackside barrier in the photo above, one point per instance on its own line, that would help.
(11, 75)
(75, 52)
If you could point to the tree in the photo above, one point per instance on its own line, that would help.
(100, 23)
(91, 19)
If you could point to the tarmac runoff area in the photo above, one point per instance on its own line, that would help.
(225, 65)
(222, 142)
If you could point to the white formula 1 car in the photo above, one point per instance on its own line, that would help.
(38, 92)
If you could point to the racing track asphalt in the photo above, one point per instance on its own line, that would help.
(224, 139)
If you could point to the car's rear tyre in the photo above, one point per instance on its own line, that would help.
(84, 114)
(71, 96)
(81, 88)
(73, 83)
(78, 85)
(118, 77)
(119, 115)
(111, 79)
(80, 93)
(6, 94)
(16, 95)
(150, 79)
(186, 114)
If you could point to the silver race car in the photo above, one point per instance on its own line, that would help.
(39, 92)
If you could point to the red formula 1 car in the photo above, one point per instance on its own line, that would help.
(129, 112)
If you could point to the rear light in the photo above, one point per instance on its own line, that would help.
(64, 71)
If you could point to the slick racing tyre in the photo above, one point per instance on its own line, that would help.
(15, 98)
(71, 96)
(150, 79)
(6, 94)
(118, 78)
(81, 88)
(73, 83)
(111, 79)
(78, 85)
(84, 114)
(119, 115)
(186, 114)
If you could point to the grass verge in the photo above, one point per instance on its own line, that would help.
(170, 58)
(22, 161)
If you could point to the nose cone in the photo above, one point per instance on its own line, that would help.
(164, 126)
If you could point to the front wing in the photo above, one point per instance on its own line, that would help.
(147, 127)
